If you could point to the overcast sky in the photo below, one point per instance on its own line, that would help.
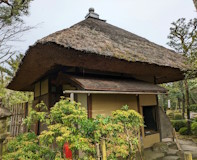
(150, 19)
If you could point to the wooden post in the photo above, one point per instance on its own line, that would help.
(177, 142)
(103, 145)
(187, 156)
(98, 151)
(89, 105)
(173, 134)
(72, 96)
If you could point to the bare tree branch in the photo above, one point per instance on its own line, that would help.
(8, 34)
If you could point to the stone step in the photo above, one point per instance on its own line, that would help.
(172, 152)
(151, 155)
(171, 158)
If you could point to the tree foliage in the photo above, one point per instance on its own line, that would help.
(13, 10)
(30, 148)
(67, 122)
(7, 72)
(183, 38)
(11, 25)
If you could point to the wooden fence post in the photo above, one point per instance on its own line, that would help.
(98, 151)
(177, 142)
(103, 145)
(187, 156)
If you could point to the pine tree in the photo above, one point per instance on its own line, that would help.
(183, 38)
(13, 10)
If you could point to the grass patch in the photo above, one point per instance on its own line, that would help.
(188, 137)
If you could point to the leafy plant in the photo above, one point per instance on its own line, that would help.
(26, 147)
(178, 116)
(177, 124)
(193, 107)
(67, 122)
(183, 131)
(194, 128)
(171, 115)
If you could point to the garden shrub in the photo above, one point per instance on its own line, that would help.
(193, 107)
(178, 116)
(195, 119)
(194, 128)
(67, 122)
(183, 131)
(177, 124)
(171, 115)
(25, 146)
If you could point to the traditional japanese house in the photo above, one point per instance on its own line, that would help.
(103, 67)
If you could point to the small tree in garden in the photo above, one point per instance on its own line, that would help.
(26, 147)
(183, 38)
(67, 122)
(129, 122)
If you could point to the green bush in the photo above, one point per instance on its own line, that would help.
(177, 124)
(183, 131)
(171, 115)
(178, 116)
(118, 133)
(194, 128)
(26, 146)
(195, 119)
(193, 107)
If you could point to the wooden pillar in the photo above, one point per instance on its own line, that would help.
(158, 113)
(138, 103)
(72, 96)
(89, 104)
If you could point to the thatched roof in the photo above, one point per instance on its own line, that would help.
(96, 45)
(98, 37)
(4, 112)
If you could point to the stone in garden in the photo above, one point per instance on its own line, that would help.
(151, 155)
(160, 147)
(171, 158)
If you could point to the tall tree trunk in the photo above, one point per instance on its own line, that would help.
(195, 3)
(183, 98)
(188, 106)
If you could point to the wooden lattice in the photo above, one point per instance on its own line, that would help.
(19, 112)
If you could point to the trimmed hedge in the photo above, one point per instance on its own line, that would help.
(178, 116)
(193, 107)
(175, 116)
(178, 124)
(183, 131)
(171, 115)
(194, 128)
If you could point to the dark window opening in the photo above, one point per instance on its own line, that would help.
(150, 120)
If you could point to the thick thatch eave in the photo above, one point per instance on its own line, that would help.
(96, 45)
(96, 36)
